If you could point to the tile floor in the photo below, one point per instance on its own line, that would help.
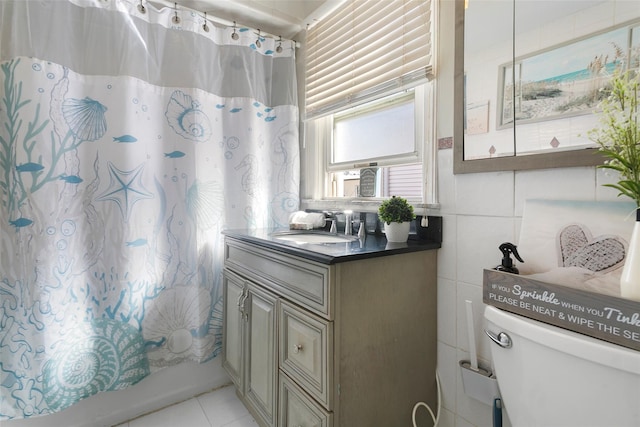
(219, 408)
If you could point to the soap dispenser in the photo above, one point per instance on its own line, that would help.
(507, 263)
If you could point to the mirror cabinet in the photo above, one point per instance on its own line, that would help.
(528, 78)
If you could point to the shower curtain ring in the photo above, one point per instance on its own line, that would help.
(141, 8)
(176, 18)
(279, 48)
(234, 35)
(258, 44)
(205, 27)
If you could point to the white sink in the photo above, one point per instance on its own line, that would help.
(313, 237)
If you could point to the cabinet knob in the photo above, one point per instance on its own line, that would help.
(297, 348)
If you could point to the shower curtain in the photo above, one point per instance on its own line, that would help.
(130, 136)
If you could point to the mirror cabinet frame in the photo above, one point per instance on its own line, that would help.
(562, 159)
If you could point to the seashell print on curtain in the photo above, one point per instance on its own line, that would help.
(114, 188)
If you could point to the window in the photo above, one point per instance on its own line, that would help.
(379, 130)
(375, 150)
(368, 102)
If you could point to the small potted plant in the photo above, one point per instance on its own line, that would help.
(618, 137)
(397, 215)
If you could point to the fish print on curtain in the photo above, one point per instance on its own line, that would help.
(113, 196)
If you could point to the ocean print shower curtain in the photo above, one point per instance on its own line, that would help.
(129, 138)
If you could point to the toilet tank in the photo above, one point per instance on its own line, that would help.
(552, 377)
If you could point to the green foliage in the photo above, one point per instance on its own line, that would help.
(16, 137)
(619, 134)
(396, 209)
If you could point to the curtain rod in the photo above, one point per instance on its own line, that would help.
(213, 19)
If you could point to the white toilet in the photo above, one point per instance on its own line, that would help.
(552, 377)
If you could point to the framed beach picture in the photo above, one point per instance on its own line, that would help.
(565, 80)
(477, 117)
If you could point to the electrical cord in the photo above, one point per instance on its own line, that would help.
(434, 417)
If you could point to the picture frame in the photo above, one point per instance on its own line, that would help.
(477, 118)
(565, 80)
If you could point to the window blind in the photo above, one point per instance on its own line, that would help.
(405, 180)
(366, 49)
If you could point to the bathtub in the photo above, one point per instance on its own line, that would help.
(171, 385)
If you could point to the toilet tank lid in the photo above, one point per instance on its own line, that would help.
(562, 340)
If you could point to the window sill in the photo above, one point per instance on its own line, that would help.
(356, 204)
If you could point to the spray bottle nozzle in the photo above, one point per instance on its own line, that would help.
(507, 263)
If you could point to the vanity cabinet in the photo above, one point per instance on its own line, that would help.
(250, 338)
(348, 343)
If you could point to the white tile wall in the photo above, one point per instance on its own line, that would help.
(447, 309)
(567, 184)
(446, 254)
(489, 195)
(446, 183)
(477, 242)
(481, 211)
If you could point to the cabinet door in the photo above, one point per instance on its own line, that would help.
(298, 410)
(261, 344)
(235, 293)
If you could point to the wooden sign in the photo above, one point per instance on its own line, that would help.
(612, 319)
(368, 182)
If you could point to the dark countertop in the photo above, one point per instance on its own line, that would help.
(332, 253)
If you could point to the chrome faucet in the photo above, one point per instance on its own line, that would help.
(348, 218)
(348, 221)
(331, 216)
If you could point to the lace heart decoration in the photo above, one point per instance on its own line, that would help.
(578, 248)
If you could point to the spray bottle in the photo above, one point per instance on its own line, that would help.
(507, 263)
